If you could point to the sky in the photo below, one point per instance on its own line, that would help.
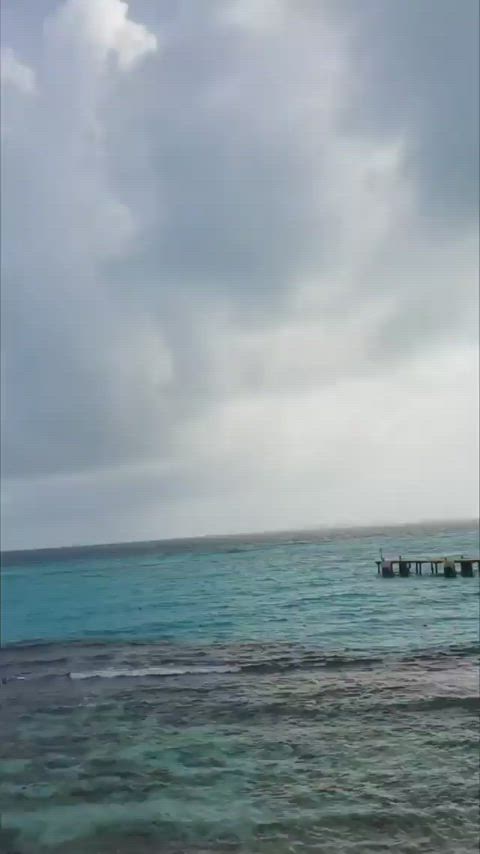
(239, 266)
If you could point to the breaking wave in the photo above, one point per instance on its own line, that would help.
(112, 673)
(150, 662)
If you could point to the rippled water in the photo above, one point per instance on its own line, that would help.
(257, 695)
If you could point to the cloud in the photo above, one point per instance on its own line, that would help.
(232, 244)
(254, 15)
(94, 30)
(353, 455)
(417, 74)
(16, 73)
(69, 349)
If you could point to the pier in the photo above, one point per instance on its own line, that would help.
(449, 567)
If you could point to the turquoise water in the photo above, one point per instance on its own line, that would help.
(323, 590)
(261, 694)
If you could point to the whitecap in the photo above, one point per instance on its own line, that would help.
(112, 673)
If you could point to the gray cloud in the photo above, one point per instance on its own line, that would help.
(419, 74)
(211, 213)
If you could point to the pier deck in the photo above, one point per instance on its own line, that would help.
(447, 566)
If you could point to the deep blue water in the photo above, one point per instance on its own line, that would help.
(266, 694)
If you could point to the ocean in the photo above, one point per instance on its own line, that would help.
(264, 694)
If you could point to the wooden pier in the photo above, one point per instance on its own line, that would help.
(446, 566)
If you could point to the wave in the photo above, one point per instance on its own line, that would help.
(260, 667)
(312, 662)
(162, 660)
(266, 667)
(135, 672)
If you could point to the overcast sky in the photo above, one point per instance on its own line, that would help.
(239, 266)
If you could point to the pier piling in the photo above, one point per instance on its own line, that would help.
(447, 566)
(449, 569)
(466, 568)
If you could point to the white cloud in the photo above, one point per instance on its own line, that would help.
(15, 73)
(101, 28)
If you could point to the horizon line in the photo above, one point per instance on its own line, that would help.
(334, 528)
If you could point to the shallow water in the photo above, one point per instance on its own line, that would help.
(247, 696)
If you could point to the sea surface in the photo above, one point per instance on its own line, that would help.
(264, 694)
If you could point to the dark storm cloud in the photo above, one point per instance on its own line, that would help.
(223, 198)
(232, 181)
(418, 67)
(220, 205)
